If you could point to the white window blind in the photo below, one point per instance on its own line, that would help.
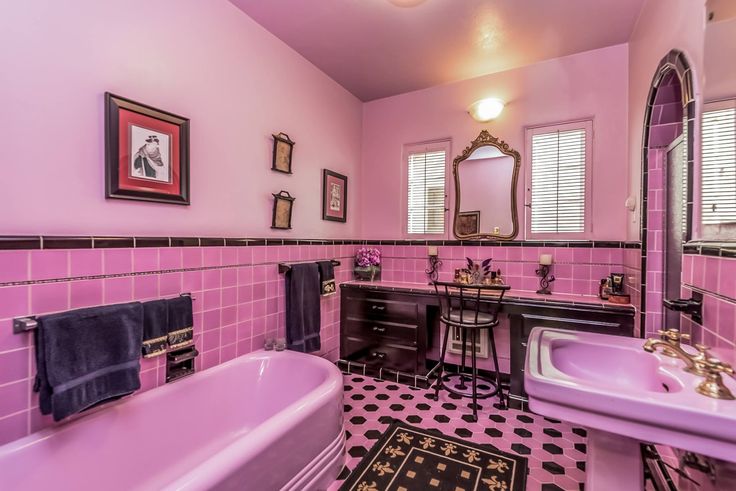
(718, 180)
(558, 181)
(426, 192)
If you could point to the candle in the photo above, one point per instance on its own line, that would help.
(431, 250)
(545, 259)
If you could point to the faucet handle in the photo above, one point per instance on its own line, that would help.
(673, 335)
(718, 366)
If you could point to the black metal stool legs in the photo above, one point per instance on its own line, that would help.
(475, 375)
(438, 384)
(501, 400)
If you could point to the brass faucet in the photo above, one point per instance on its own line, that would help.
(702, 363)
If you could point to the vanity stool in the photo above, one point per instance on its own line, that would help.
(460, 307)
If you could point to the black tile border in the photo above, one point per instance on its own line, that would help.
(713, 249)
(91, 242)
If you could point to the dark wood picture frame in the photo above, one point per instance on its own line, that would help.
(283, 207)
(328, 213)
(121, 115)
(468, 222)
(283, 149)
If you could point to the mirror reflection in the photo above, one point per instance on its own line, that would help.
(718, 171)
(485, 179)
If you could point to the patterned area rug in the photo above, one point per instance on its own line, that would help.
(407, 458)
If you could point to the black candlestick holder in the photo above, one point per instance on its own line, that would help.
(434, 266)
(545, 280)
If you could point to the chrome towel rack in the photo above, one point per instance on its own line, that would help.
(284, 267)
(30, 322)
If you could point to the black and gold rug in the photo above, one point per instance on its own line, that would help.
(407, 458)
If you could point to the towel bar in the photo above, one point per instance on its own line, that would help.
(29, 322)
(284, 267)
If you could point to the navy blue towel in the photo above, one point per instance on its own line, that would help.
(181, 322)
(302, 307)
(88, 356)
(155, 327)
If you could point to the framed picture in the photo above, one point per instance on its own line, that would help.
(283, 149)
(283, 204)
(334, 196)
(468, 222)
(146, 153)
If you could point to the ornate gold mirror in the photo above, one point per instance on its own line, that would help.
(486, 174)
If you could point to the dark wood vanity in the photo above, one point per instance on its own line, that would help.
(391, 325)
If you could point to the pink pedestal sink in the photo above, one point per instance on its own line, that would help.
(624, 395)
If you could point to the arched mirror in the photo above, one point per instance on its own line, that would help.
(486, 174)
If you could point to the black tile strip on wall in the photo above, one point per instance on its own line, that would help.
(715, 249)
(91, 242)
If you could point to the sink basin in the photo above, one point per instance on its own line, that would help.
(624, 395)
(610, 366)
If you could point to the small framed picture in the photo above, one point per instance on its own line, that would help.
(283, 203)
(146, 152)
(468, 223)
(334, 196)
(283, 149)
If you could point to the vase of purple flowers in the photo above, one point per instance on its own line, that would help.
(368, 264)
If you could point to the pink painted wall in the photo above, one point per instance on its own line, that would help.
(720, 51)
(663, 25)
(590, 84)
(204, 60)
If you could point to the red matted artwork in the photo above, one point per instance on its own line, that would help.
(334, 196)
(147, 153)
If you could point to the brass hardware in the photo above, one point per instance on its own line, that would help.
(701, 364)
(673, 336)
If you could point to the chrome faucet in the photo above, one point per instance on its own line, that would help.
(701, 364)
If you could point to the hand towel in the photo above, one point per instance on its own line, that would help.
(302, 307)
(327, 278)
(87, 356)
(155, 328)
(181, 322)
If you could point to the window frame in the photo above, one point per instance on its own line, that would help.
(529, 133)
(424, 147)
(719, 233)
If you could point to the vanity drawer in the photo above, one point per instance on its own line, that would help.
(380, 354)
(381, 329)
(378, 308)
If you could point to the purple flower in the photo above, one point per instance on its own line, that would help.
(368, 256)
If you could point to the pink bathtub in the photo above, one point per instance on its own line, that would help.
(264, 421)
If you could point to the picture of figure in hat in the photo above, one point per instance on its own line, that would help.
(149, 155)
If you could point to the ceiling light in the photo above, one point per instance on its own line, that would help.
(485, 110)
(406, 3)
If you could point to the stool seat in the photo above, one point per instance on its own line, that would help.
(468, 317)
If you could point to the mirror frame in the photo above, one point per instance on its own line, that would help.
(485, 139)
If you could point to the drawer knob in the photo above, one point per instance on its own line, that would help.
(378, 354)
(379, 329)
(378, 307)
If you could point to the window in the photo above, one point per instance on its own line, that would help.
(718, 170)
(557, 194)
(426, 168)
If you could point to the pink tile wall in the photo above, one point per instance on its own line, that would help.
(715, 278)
(655, 242)
(239, 302)
(577, 270)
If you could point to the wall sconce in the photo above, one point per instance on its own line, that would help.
(545, 261)
(434, 264)
(485, 110)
